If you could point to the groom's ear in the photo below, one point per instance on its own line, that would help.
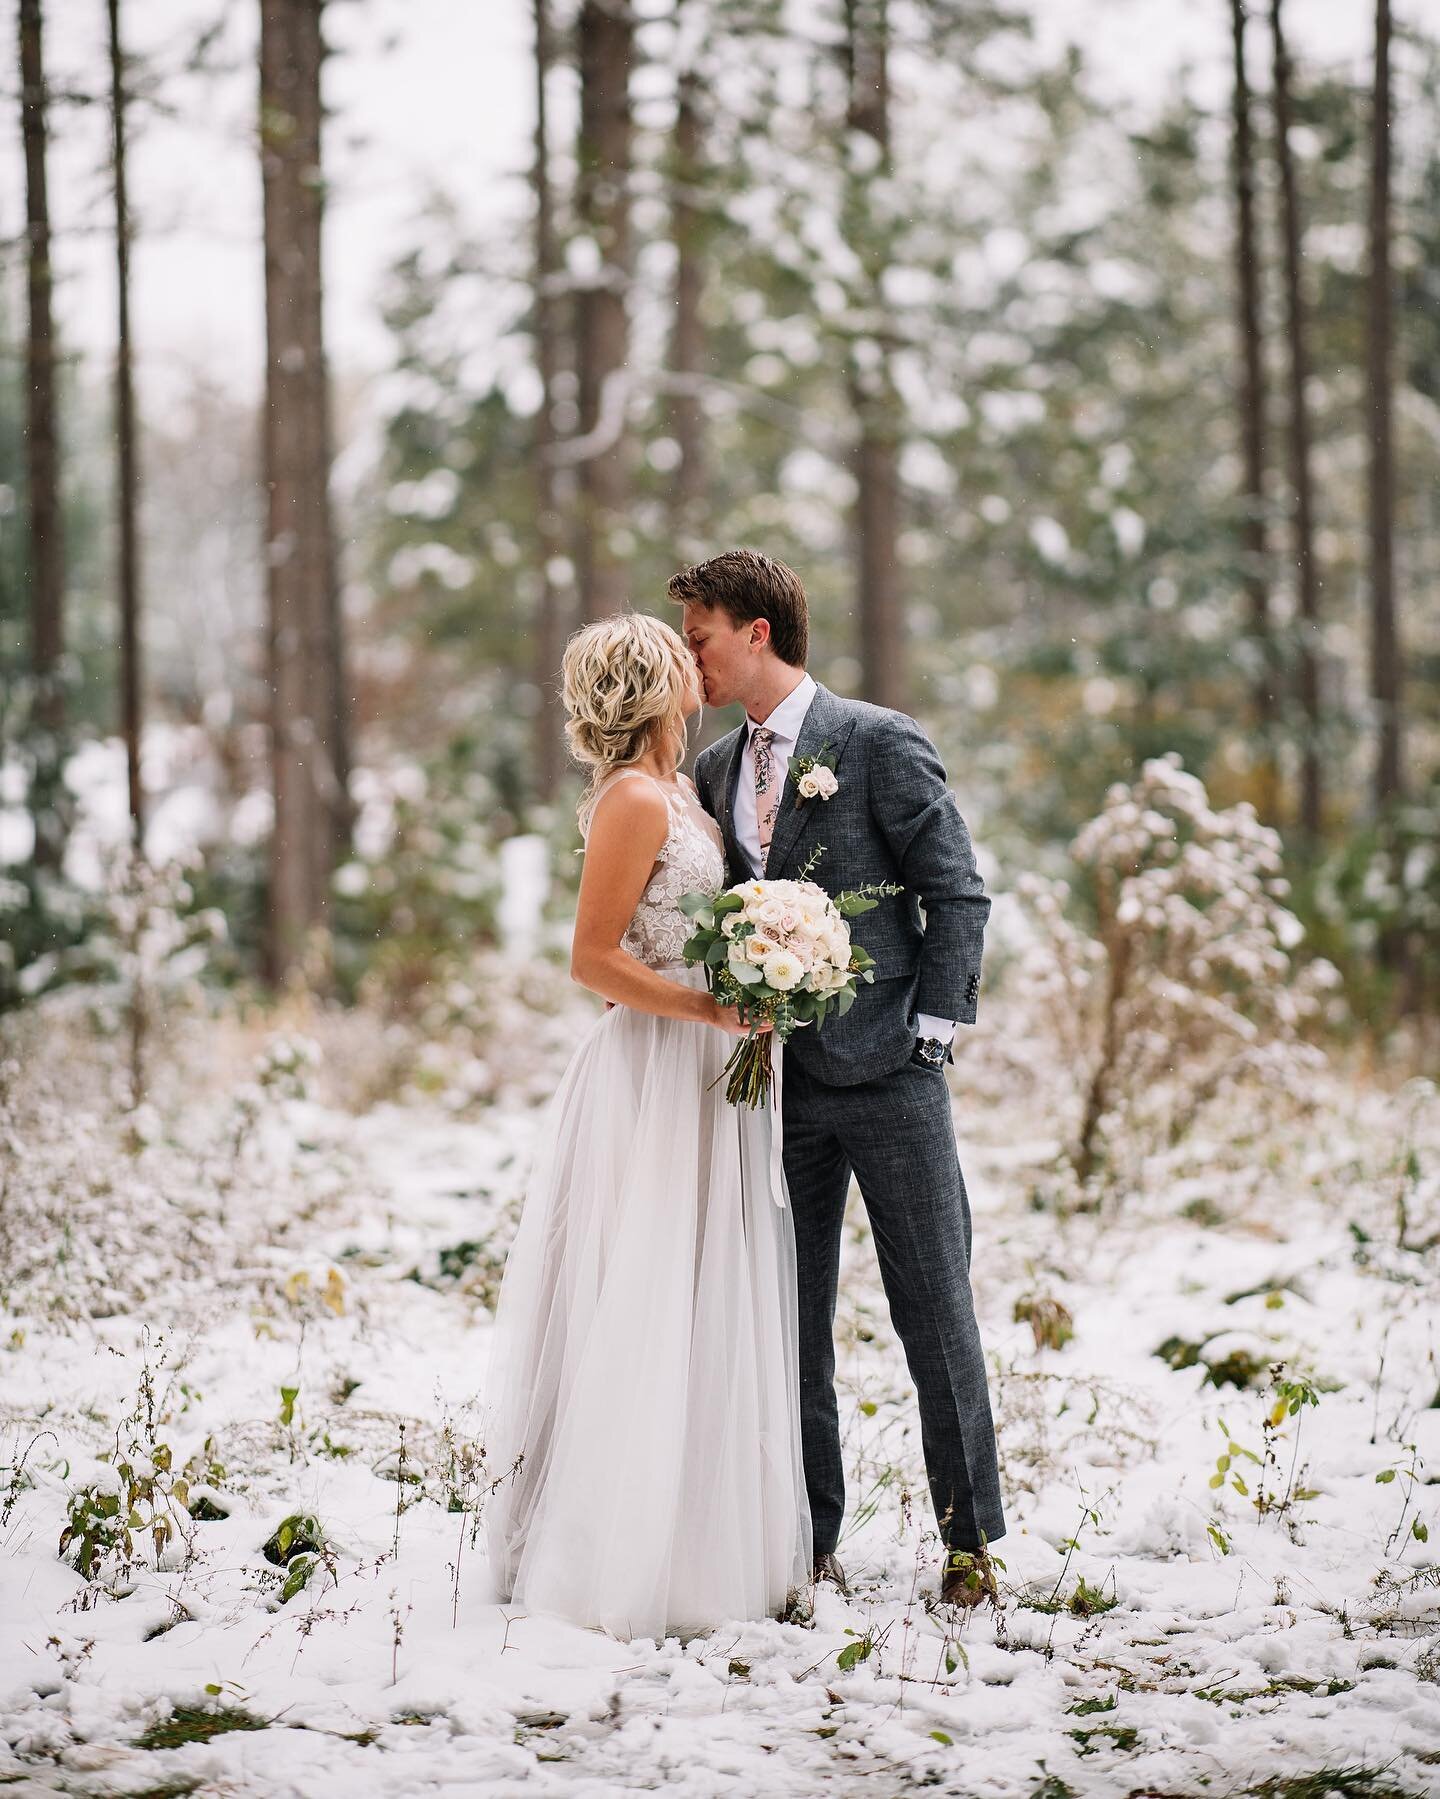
(759, 633)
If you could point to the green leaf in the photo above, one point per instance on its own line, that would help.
(851, 905)
(1420, 1532)
(727, 902)
(869, 1407)
(940, 1737)
(853, 1653)
(1384, 1477)
(694, 904)
(745, 973)
(844, 999)
(300, 1571)
(718, 953)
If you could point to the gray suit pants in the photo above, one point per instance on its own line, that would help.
(897, 1135)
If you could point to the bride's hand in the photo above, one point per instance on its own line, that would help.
(727, 1019)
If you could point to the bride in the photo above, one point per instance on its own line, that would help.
(645, 1378)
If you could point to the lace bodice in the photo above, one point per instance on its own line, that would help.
(691, 860)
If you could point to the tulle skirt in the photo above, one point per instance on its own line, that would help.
(645, 1423)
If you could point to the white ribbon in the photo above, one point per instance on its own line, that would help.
(777, 1129)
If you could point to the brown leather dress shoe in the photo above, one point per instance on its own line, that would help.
(828, 1568)
(969, 1579)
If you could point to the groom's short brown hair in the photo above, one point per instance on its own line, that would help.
(747, 584)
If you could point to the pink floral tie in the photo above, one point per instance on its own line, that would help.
(767, 788)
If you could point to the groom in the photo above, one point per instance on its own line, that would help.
(867, 1095)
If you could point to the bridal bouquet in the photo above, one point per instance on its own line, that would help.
(780, 952)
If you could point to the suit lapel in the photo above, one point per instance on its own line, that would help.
(724, 791)
(825, 723)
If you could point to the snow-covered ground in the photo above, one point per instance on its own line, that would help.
(285, 1281)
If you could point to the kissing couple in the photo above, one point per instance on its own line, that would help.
(662, 1388)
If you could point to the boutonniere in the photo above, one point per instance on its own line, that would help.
(814, 776)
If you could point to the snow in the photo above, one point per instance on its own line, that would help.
(259, 1229)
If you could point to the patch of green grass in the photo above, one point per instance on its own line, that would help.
(197, 1724)
(1086, 1601)
(1324, 1689)
(1084, 1707)
(1358, 1782)
(1123, 1737)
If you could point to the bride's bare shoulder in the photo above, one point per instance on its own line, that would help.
(630, 803)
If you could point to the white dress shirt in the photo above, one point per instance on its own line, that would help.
(786, 721)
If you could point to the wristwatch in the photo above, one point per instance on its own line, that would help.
(929, 1052)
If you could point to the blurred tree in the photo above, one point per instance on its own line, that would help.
(689, 227)
(46, 544)
(869, 376)
(553, 587)
(127, 480)
(308, 712)
(1385, 653)
(606, 34)
(1252, 414)
(1307, 576)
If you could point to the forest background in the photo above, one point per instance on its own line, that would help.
(1085, 368)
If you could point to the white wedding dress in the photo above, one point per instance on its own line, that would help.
(646, 1374)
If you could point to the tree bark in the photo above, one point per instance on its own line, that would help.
(305, 663)
(550, 600)
(606, 43)
(1307, 576)
(876, 522)
(47, 547)
(687, 338)
(1252, 415)
(127, 483)
(1385, 654)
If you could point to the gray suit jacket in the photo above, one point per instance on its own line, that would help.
(892, 819)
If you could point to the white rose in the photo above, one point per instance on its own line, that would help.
(782, 971)
(809, 784)
(770, 912)
(824, 779)
(730, 923)
(758, 947)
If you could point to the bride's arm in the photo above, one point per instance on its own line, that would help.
(626, 835)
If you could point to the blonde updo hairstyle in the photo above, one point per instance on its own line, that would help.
(624, 682)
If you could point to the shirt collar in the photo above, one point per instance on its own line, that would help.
(785, 721)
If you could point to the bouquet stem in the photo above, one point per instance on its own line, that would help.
(752, 1077)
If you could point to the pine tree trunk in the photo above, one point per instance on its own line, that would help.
(1307, 631)
(872, 391)
(1252, 416)
(47, 550)
(606, 42)
(127, 483)
(550, 600)
(687, 339)
(1385, 656)
(307, 702)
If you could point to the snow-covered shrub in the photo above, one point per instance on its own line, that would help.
(1186, 982)
(423, 881)
(1375, 908)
